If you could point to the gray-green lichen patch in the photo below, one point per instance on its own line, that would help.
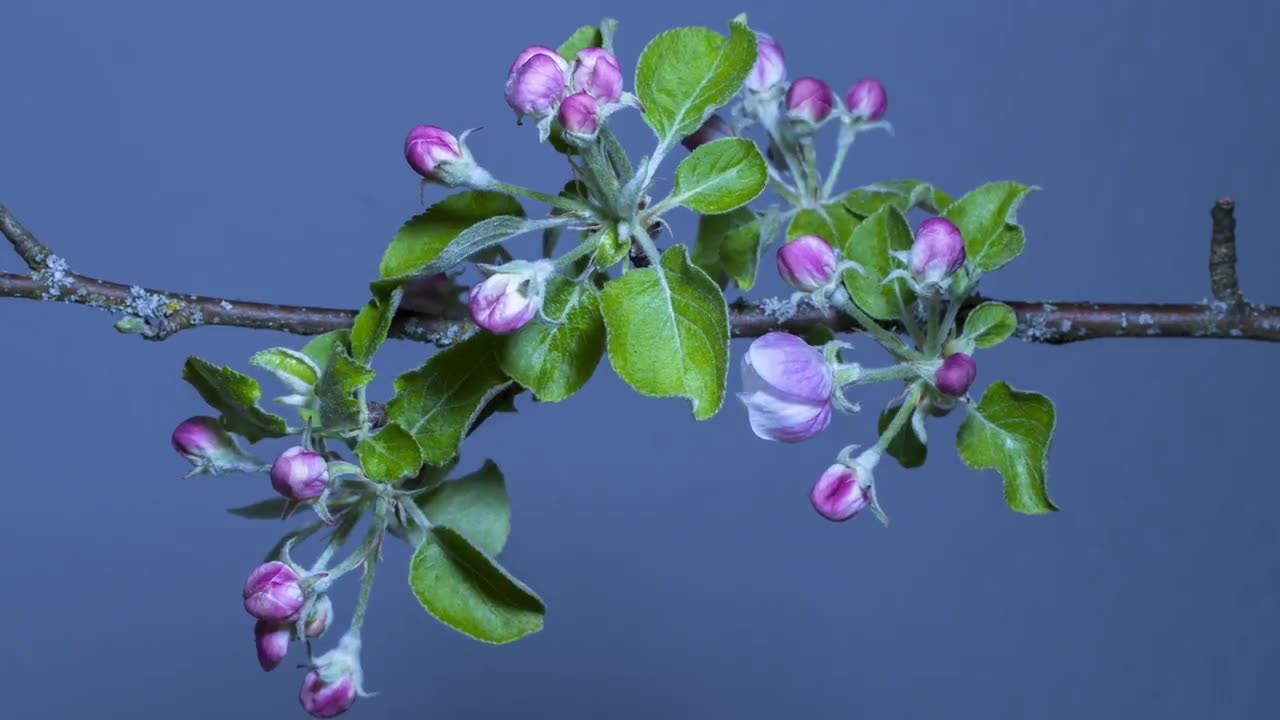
(54, 279)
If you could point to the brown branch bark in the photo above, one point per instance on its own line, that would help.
(158, 314)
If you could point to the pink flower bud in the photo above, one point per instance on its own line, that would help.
(771, 66)
(319, 618)
(202, 439)
(536, 82)
(715, 128)
(300, 474)
(838, 496)
(938, 250)
(273, 643)
(507, 300)
(327, 698)
(956, 374)
(579, 114)
(867, 100)
(810, 99)
(787, 388)
(597, 73)
(273, 593)
(427, 147)
(807, 263)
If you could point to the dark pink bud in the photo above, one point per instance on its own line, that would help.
(273, 643)
(838, 496)
(427, 147)
(938, 250)
(810, 99)
(536, 84)
(597, 73)
(956, 374)
(273, 593)
(771, 65)
(327, 698)
(507, 300)
(715, 128)
(867, 100)
(319, 618)
(300, 474)
(807, 263)
(579, 114)
(201, 439)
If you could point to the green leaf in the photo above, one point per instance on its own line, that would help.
(902, 194)
(236, 396)
(831, 222)
(685, 74)
(390, 455)
(419, 245)
(990, 324)
(342, 377)
(587, 36)
(612, 249)
(733, 244)
(372, 325)
(554, 362)
(884, 231)
(720, 176)
(437, 402)
(905, 447)
(1010, 432)
(987, 218)
(466, 589)
(668, 332)
(475, 505)
(296, 370)
(269, 509)
(320, 347)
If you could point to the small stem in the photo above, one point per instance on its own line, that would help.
(864, 376)
(899, 418)
(371, 542)
(810, 167)
(617, 154)
(847, 135)
(337, 539)
(953, 308)
(564, 203)
(932, 341)
(909, 320)
(602, 173)
(371, 564)
(646, 244)
(891, 342)
(583, 249)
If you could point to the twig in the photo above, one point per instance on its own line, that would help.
(159, 314)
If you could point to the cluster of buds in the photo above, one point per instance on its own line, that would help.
(542, 85)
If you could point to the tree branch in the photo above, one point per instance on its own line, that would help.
(159, 314)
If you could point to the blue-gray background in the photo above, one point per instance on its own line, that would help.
(253, 150)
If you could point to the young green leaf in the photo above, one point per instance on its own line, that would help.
(466, 589)
(555, 361)
(987, 218)
(269, 509)
(720, 176)
(390, 455)
(421, 241)
(1010, 432)
(613, 247)
(320, 348)
(437, 402)
(883, 232)
(902, 194)
(685, 74)
(668, 332)
(990, 324)
(372, 324)
(342, 377)
(298, 372)
(475, 505)
(587, 36)
(236, 396)
(905, 447)
(831, 222)
(731, 245)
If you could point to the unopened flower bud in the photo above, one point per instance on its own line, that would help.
(579, 115)
(787, 388)
(428, 147)
(319, 618)
(809, 99)
(272, 640)
(839, 494)
(507, 300)
(807, 263)
(274, 593)
(938, 250)
(207, 446)
(715, 128)
(867, 100)
(299, 474)
(332, 685)
(956, 374)
(536, 82)
(771, 66)
(597, 73)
